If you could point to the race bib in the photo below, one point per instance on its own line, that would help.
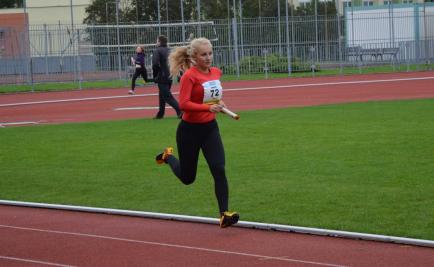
(138, 66)
(212, 92)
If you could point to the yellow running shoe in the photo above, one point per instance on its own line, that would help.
(162, 157)
(229, 218)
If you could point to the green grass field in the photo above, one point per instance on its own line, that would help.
(366, 167)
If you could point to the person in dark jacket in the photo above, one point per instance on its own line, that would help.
(161, 73)
(140, 69)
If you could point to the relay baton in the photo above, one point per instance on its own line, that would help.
(231, 114)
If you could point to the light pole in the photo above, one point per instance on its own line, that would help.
(73, 41)
(292, 29)
(425, 41)
(316, 29)
(229, 30)
(352, 23)
(234, 26)
(182, 20)
(279, 26)
(29, 52)
(260, 21)
(159, 17)
(118, 40)
(241, 28)
(288, 50)
(339, 36)
(198, 18)
(326, 31)
(167, 19)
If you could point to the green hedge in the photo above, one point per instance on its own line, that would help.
(274, 63)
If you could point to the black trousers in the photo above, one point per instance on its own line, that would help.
(137, 73)
(166, 96)
(191, 138)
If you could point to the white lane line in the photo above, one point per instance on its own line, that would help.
(226, 90)
(3, 124)
(73, 100)
(331, 83)
(135, 108)
(285, 259)
(35, 261)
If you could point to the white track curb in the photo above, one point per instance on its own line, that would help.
(244, 224)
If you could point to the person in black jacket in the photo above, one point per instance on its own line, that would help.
(139, 62)
(161, 73)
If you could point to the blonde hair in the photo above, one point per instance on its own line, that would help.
(181, 58)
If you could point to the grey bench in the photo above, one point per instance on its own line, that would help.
(358, 52)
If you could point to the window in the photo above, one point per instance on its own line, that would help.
(368, 3)
(347, 3)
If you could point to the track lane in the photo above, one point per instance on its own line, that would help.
(114, 104)
(86, 239)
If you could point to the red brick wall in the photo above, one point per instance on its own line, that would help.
(13, 35)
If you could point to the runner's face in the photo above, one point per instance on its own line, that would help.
(138, 50)
(204, 57)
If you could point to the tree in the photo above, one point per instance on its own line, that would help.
(138, 11)
(11, 4)
(215, 9)
(309, 8)
(147, 10)
(104, 11)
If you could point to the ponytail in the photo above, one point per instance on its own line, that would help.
(179, 60)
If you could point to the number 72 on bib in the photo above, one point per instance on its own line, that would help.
(212, 92)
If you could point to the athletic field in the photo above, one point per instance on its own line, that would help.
(351, 153)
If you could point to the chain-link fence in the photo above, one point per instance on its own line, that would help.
(400, 39)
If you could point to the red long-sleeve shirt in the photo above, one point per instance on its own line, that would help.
(191, 94)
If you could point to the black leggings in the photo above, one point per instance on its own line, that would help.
(137, 73)
(190, 138)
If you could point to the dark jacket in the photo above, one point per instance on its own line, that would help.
(140, 59)
(160, 66)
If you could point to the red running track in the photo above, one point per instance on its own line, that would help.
(104, 104)
(40, 237)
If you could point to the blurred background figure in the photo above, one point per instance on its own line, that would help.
(161, 73)
(139, 63)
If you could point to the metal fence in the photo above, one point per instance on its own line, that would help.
(308, 44)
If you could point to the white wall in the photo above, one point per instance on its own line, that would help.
(384, 27)
(53, 11)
